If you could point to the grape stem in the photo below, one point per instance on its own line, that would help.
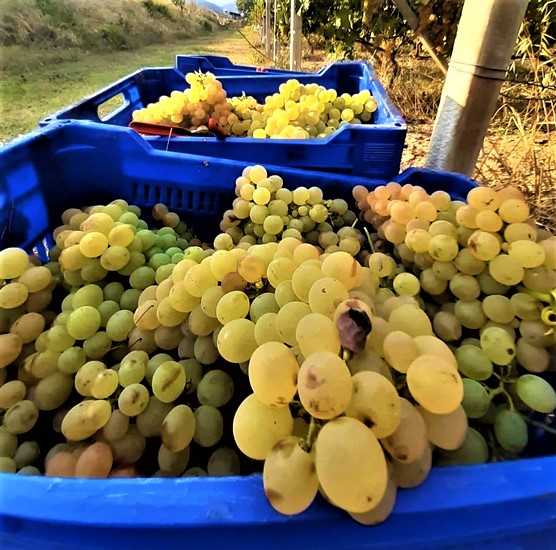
(311, 434)
(544, 427)
(501, 390)
(369, 240)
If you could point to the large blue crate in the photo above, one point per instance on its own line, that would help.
(498, 506)
(370, 150)
(220, 66)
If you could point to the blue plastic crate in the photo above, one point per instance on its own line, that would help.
(220, 66)
(370, 150)
(497, 506)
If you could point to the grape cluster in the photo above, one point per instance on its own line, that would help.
(295, 111)
(484, 273)
(266, 211)
(192, 108)
(332, 362)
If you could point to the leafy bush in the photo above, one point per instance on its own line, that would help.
(157, 10)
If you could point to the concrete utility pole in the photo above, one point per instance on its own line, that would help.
(295, 38)
(268, 27)
(483, 47)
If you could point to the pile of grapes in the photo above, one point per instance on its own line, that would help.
(295, 111)
(341, 352)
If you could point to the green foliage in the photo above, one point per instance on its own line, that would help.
(157, 10)
(115, 37)
(179, 4)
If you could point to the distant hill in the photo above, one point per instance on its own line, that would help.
(209, 6)
(230, 6)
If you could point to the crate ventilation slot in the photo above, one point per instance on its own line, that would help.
(175, 197)
(378, 152)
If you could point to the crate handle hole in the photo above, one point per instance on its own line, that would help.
(109, 107)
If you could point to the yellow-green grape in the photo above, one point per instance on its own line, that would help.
(133, 399)
(526, 253)
(263, 303)
(172, 464)
(12, 392)
(105, 384)
(443, 248)
(284, 293)
(289, 476)
(88, 295)
(279, 270)
(384, 508)
(498, 308)
(52, 391)
(467, 263)
(198, 279)
(233, 305)
(85, 418)
(222, 263)
(265, 329)
(28, 327)
(506, 270)
(210, 299)
(476, 400)
(209, 426)
(406, 284)
(258, 427)
(13, 263)
(149, 422)
(513, 211)
(8, 443)
(435, 384)
(236, 340)
(224, 462)
(181, 300)
(535, 392)
(342, 266)
(86, 376)
(215, 388)
(7, 465)
(316, 332)
(326, 294)
(251, 268)
(13, 295)
(408, 442)
(303, 279)
(474, 450)
(473, 362)
(351, 467)
(178, 428)
(324, 385)
(130, 448)
(83, 322)
(410, 319)
(58, 339)
(483, 245)
(168, 381)
(116, 427)
(132, 368)
(205, 350)
(71, 360)
(532, 358)
(431, 345)
(288, 318)
(464, 287)
(119, 325)
(400, 350)
(26, 454)
(412, 474)
(194, 373)
(93, 244)
(446, 431)
(510, 430)
(200, 324)
(273, 372)
(20, 417)
(98, 345)
(498, 345)
(375, 403)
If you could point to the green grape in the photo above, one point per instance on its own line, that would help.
(510, 430)
(83, 322)
(284, 293)
(473, 362)
(406, 284)
(530, 357)
(273, 386)
(42, 364)
(476, 400)
(209, 426)
(130, 299)
(132, 368)
(215, 388)
(52, 391)
(210, 299)
(498, 308)
(303, 279)
(178, 428)
(106, 310)
(350, 465)
(194, 372)
(470, 313)
(316, 332)
(168, 381)
(280, 270)
(86, 375)
(133, 399)
(89, 295)
(58, 339)
(224, 462)
(8, 443)
(410, 319)
(265, 329)
(130, 448)
(498, 345)
(536, 393)
(258, 427)
(13, 263)
(172, 464)
(97, 346)
(116, 427)
(11, 393)
(526, 306)
(149, 422)
(13, 295)
(7, 465)
(205, 350)
(474, 450)
(236, 340)
(26, 454)
(263, 303)
(21, 417)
